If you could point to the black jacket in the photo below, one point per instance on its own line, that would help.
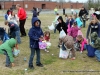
(63, 25)
(82, 12)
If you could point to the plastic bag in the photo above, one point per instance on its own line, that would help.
(90, 51)
(48, 44)
(16, 52)
(42, 45)
(52, 27)
(62, 34)
(63, 53)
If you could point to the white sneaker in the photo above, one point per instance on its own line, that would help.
(81, 52)
(47, 51)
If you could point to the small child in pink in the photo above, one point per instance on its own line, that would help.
(82, 41)
(74, 30)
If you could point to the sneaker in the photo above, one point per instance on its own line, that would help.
(8, 66)
(81, 52)
(31, 66)
(47, 51)
(40, 65)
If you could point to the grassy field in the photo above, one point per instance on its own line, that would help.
(53, 65)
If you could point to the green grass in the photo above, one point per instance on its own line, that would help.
(53, 65)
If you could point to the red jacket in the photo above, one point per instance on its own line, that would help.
(21, 14)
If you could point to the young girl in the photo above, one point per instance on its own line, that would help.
(74, 31)
(94, 26)
(82, 41)
(70, 21)
(47, 39)
(13, 18)
(78, 20)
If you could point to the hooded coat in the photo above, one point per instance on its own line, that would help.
(63, 25)
(96, 43)
(8, 46)
(35, 33)
(69, 43)
(82, 12)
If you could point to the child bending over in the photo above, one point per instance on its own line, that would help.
(68, 43)
(82, 41)
(7, 49)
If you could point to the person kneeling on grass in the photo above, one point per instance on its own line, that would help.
(68, 43)
(96, 44)
(7, 49)
(14, 31)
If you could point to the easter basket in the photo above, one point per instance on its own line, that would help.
(42, 45)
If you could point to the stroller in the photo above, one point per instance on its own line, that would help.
(3, 35)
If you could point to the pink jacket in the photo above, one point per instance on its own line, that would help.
(83, 43)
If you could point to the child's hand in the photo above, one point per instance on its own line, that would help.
(12, 64)
(41, 38)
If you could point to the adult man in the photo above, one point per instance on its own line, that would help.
(82, 14)
(22, 19)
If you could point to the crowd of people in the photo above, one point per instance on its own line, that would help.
(72, 40)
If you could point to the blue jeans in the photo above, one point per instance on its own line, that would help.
(32, 56)
(7, 58)
(85, 46)
(18, 36)
(84, 23)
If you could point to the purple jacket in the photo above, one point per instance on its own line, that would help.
(74, 31)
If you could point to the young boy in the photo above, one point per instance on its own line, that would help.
(6, 49)
(14, 31)
(35, 34)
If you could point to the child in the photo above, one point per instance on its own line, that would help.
(13, 18)
(68, 43)
(82, 41)
(61, 25)
(56, 22)
(78, 20)
(47, 36)
(14, 31)
(6, 48)
(70, 21)
(47, 39)
(96, 44)
(74, 31)
(35, 34)
(3, 35)
(94, 26)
